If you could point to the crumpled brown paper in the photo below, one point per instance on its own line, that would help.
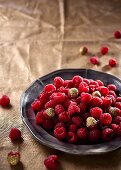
(40, 36)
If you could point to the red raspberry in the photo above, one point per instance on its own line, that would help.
(104, 50)
(72, 109)
(83, 50)
(43, 97)
(50, 103)
(107, 134)
(118, 105)
(63, 90)
(96, 102)
(73, 128)
(86, 81)
(94, 60)
(96, 112)
(114, 111)
(58, 82)
(117, 34)
(77, 80)
(116, 129)
(59, 97)
(77, 120)
(113, 99)
(111, 92)
(4, 101)
(82, 107)
(92, 82)
(118, 99)
(91, 88)
(15, 134)
(111, 87)
(60, 124)
(47, 124)
(60, 133)
(51, 163)
(49, 88)
(94, 135)
(13, 158)
(117, 120)
(107, 102)
(100, 83)
(82, 133)
(72, 137)
(105, 119)
(83, 87)
(63, 117)
(36, 105)
(104, 90)
(78, 100)
(68, 83)
(112, 62)
(58, 109)
(86, 98)
(39, 118)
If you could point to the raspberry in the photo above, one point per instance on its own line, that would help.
(112, 62)
(104, 91)
(73, 128)
(105, 119)
(111, 92)
(94, 60)
(100, 83)
(91, 122)
(96, 112)
(39, 118)
(68, 83)
(107, 102)
(107, 134)
(111, 87)
(118, 99)
(43, 97)
(13, 158)
(118, 105)
(60, 133)
(117, 119)
(77, 120)
(59, 97)
(85, 98)
(113, 100)
(86, 115)
(49, 88)
(96, 93)
(96, 102)
(47, 124)
(114, 111)
(104, 50)
(50, 103)
(78, 100)
(63, 90)
(86, 81)
(60, 124)
(91, 88)
(36, 105)
(117, 34)
(58, 82)
(49, 113)
(82, 107)
(72, 109)
(94, 135)
(83, 87)
(15, 134)
(116, 129)
(51, 163)
(83, 50)
(63, 117)
(4, 101)
(77, 80)
(92, 82)
(73, 92)
(58, 109)
(82, 133)
(72, 137)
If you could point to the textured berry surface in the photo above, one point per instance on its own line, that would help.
(60, 133)
(36, 105)
(49, 88)
(51, 162)
(58, 82)
(72, 137)
(111, 87)
(105, 119)
(96, 102)
(112, 62)
(82, 133)
(59, 108)
(4, 101)
(73, 109)
(85, 98)
(104, 50)
(94, 60)
(15, 134)
(96, 112)
(13, 158)
(107, 134)
(94, 135)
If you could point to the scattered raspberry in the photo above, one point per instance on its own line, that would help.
(60, 133)
(49, 88)
(58, 82)
(107, 134)
(96, 112)
(117, 34)
(73, 93)
(51, 163)
(91, 122)
(39, 118)
(47, 124)
(36, 105)
(83, 87)
(96, 102)
(96, 93)
(104, 50)
(105, 119)
(4, 101)
(117, 119)
(13, 158)
(63, 117)
(94, 135)
(111, 87)
(72, 109)
(116, 128)
(77, 120)
(83, 50)
(107, 102)
(73, 128)
(49, 113)
(112, 62)
(50, 103)
(72, 137)
(100, 83)
(86, 98)
(94, 60)
(82, 133)
(59, 108)
(15, 134)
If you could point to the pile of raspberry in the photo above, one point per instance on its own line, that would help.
(79, 111)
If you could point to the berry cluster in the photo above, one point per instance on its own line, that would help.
(79, 110)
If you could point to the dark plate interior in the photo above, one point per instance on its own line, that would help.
(41, 135)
